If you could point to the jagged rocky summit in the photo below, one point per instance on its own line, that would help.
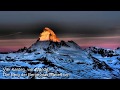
(48, 35)
(49, 40)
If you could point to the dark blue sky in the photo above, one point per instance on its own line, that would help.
(72, 23)
(100, 18)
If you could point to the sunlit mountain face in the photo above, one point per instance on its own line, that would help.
(48, 34)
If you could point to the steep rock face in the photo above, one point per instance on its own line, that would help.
(48, 35)
(51, 45)
(48, 40)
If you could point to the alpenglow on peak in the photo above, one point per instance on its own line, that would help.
(48, 35)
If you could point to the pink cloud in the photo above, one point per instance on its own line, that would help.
(105, 42)
(15, 44)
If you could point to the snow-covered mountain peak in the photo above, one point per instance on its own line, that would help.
(48, 34)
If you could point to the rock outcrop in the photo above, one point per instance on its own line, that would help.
(48, 35)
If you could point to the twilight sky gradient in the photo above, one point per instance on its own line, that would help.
(87, 28)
